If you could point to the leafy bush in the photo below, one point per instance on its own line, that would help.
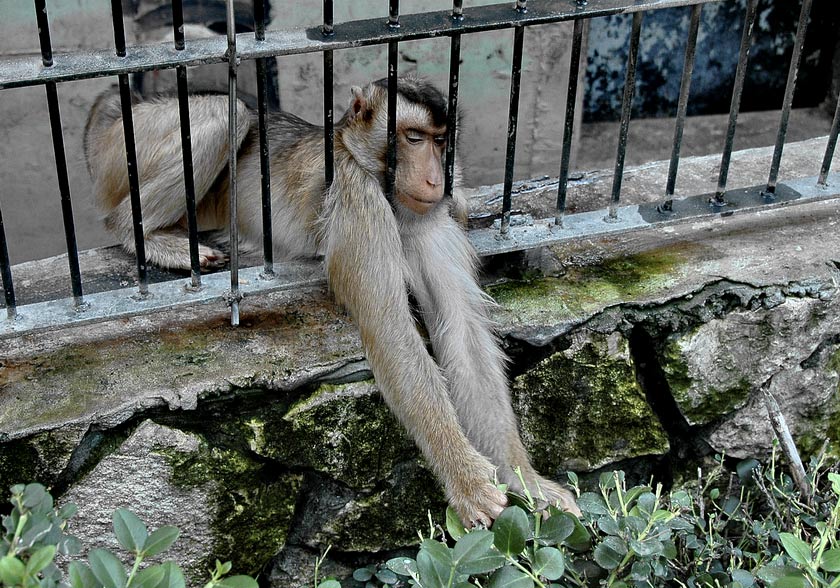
(35, 532)
(740, 530)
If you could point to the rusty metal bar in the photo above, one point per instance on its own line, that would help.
(262, 120)
(452, 107)
(6, 274)
(513, 119)
(569, 123)
(393, 55)
(329, 115)
(790, 88)
(829, 148)
(626, 111)
(233, 62)
(740, 75)
(682, 103)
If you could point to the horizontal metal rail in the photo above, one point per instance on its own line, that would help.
(29, 70)
(528, 234)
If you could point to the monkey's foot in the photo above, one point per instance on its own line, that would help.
(172, 251)
(480, 504)
(546, 492)
(211, 259)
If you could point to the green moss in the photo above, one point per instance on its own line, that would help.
(344, 431)
(583, 408)
(586, 289)
(253, 509)
(811, 440)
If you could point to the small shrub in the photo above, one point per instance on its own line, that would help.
(749, 529)
(35, 532)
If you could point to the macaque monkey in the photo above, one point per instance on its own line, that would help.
(376, 250)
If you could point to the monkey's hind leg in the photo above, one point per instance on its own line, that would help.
(160, 166)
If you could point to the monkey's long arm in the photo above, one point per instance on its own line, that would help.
(366, 270)
(454, 308)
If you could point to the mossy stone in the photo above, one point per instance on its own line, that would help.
(583, 408)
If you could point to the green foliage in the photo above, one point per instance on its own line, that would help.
(744, 529)
(34, 532)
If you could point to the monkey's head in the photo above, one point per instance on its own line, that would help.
(421, 138)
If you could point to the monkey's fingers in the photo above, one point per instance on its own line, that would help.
(211, 259)
(481, 506)
(553, 493)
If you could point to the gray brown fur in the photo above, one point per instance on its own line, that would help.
(457, 407)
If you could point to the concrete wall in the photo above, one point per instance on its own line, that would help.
(28, 187)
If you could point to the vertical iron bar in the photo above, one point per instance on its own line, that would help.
(60, 155)
(262, 118)
(391, 169)
(626, 110)
(513, 117)
(569, 123)
(829, 148)
(682, 104)
(790, 88)
(452, 108)
(186, 144)
(235, 295)
(130, 152)
(6, 274)
(740, 76)
(329, 115)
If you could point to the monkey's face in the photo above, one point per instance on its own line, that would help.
(419, 180)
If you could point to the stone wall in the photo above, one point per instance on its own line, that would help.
(267, 443)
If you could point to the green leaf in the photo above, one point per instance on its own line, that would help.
(647, 502)
(330, 583)
(107, 568)
(556, 529)
(33, 495)
(646, 548)
(454, 526)
(592, 503)
(472, 555)
(511, 530)
(130, 530)
(404, 566)
(579, 540)
(634, 493)
(67, 511)
(835, 482)
(792, 581)
(160, 540)
(549, 563)
(386, 577)
(40, 559)
(743, 577)
(830, 560)
(222, 569)
(173, 577)
(81, 576)
(745, 469)
(608, 526)
(12, 570)
(363, 574)
(573, 478)
(238, 582)
(796, 548)
(148, 578)
(509, 577)
(434, 564)
(609, 553)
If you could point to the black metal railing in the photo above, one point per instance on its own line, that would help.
(51, 69)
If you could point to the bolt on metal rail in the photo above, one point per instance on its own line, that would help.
(50, 69)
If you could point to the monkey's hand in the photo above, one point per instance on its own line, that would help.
(475, 498)
(546, 492)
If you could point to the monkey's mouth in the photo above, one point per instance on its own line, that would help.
(420, 205)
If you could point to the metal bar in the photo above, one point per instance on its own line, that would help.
(130, 152)
(452, 107)
(829, 148)
(393, 55)
(262, 119)
(26, 70)
(235, 294)
(513, 118)
(569, 123)
(740, 76)
(114, 304)
(682, 104)
(186, 144)
(790, 88)
(329, 115)
(60, 156)
(6, 274)
(64, 191)
(626, 111)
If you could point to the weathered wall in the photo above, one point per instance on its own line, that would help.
(269, 442)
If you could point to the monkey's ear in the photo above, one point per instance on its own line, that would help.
(358, 103)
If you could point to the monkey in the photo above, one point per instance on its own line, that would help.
(377, 252)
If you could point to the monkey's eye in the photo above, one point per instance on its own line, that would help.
(440, 140)
(414, 138)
